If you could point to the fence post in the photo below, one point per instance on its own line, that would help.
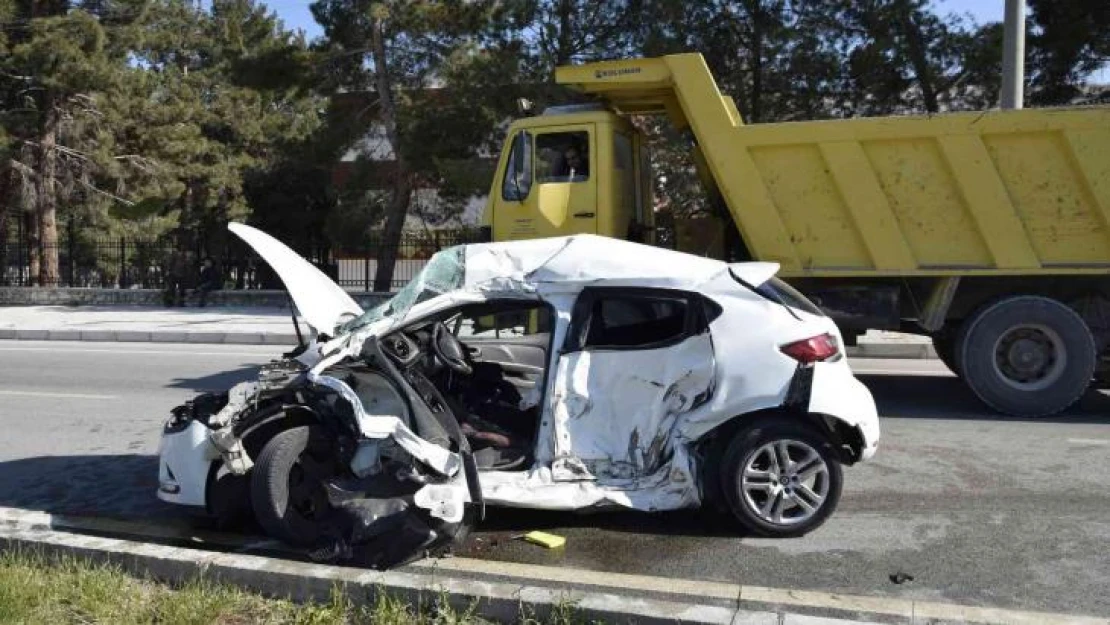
(122, 261)
(72, 238)
(366, 269)
(19, 248)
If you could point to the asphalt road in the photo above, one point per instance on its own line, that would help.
(979, 509)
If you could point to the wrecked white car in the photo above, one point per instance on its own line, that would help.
(565, 374)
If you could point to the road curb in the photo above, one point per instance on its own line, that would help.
(497, 590)
(900, 350)
(301, 581)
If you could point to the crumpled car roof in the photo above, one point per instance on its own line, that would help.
(584, 259)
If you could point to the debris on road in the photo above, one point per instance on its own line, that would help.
(551, 541)
(901, 578)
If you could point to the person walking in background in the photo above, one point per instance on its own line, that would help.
(176, 266)
(210, 280)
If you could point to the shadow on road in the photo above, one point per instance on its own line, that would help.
(928, 397)
(115, 486)
(216, 381)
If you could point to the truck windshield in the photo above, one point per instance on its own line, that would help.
(443, 273)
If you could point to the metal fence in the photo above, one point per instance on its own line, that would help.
(356, 269)
(128, 262)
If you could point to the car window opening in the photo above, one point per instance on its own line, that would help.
(636, 321)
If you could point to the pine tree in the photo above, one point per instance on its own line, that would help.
(57, 65)
(398, 50)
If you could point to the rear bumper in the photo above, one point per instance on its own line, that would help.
(836, 392)
(184, 460)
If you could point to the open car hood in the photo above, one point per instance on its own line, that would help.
(321, 302)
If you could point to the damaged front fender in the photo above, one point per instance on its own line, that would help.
(396, 482)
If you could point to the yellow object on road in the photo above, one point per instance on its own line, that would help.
(551, 541)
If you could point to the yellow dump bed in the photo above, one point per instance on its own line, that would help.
(1015, 192)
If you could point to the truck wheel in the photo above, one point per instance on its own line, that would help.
(287, 485)
(1027, 356)
(780, 479)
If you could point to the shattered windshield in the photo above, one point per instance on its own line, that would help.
(443, 273)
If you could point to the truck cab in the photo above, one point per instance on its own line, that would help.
(572, 170)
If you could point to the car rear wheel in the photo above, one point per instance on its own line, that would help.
(287, 485)
(781, 479)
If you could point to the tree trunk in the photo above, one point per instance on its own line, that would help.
(47, 200)
(402, 180)
(564, 47)
(757, 62)
(919, 58)
(34, 248)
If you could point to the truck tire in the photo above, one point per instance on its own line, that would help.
(287, 490)
(945, 346)
(1027, 356)
(781, 478)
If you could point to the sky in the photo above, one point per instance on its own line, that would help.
(295, 13)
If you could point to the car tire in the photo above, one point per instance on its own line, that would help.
(288, 497)
(1027, 356)
(748, 451)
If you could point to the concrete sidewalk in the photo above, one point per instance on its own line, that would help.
(264, 326)
(251, 326)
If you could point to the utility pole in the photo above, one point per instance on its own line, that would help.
(1013, 56)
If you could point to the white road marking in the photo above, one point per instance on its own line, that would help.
(58, 395)
(1089, 441)
(138, 351)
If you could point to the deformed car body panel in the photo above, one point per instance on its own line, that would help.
(630, 401)
(615, 428)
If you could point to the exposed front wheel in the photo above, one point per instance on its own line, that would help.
(781, 479)
(287, 485)
(1027, 356)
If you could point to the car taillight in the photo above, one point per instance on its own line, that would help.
(814, 349)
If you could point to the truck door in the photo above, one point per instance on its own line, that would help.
(549, 185)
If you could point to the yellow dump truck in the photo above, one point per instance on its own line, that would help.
(988, 231)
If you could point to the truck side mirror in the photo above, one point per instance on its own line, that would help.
(520, 145)
(518, 173)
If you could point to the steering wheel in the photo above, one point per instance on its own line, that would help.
(450, 350)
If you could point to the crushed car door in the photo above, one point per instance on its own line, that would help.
(633, 362)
